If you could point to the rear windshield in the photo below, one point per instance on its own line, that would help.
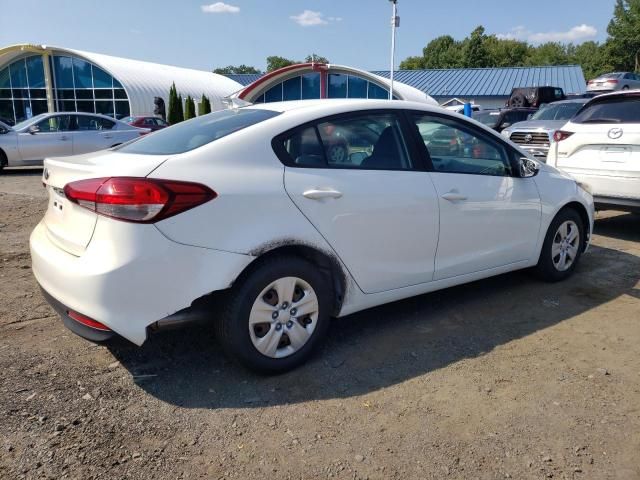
(611, 110)
(196, 132)
(560, 111)
(490, 119)
(609, 75)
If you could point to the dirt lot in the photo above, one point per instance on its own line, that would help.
(504, 378)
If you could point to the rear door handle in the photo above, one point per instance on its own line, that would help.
(108, 136)
(64, 138)
(317, 194)
(454, 196)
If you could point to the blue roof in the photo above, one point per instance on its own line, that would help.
(490, 82)
(476, 82)
(244, 79)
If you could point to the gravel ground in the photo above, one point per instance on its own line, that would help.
(503, 378)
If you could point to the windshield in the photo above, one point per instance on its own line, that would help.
(29, 121)
(196, 132)
(490, 119)
(559, 111)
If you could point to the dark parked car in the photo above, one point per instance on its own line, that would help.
(503, 118)
(152, 123)
(534, 96)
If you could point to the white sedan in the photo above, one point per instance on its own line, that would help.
(247, 204)
(60, 135)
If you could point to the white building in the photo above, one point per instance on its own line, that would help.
(36, 78)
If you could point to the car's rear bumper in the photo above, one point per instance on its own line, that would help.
(130, 276)
(93, 334)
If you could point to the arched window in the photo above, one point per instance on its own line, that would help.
(22, 89)
(80, 86)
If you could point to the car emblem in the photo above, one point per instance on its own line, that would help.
(615, 133)
(528, 137)
(45, 174)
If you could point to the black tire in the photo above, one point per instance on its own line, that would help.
(232, 328)
(3, 161)
(626, 87)
(546, 269)
(338, 154)
(517, 101)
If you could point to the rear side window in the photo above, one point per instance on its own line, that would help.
(86, 122)
(371, 141)
(610, 110)
(197, 132)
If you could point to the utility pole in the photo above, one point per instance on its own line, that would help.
(395, 23)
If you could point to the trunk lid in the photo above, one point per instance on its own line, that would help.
(70, 226)
(604, 149)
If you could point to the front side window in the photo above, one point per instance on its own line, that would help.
(57, 123)
(610, 110)
(197, 132)
(455, 147)
(368, 142)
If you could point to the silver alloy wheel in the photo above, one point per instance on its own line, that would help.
(565, 246)
(283, 317)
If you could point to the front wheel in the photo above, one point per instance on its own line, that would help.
(276, 316)
(562, 248)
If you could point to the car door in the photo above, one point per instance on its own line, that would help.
(355, 179)
(489, 218)
(53, 138)
(92, 133)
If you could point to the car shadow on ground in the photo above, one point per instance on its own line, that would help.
(383, 346)
(23, 171)
(625, 226)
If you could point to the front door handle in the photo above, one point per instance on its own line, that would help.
(64, 138)
(454, 196)
(317, 194)
(108, 136)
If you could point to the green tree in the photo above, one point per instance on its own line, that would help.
(315, 58)
(475, 50)
(623, 44)
(204, 106)
(230, 70)
(550, 53)
(506, 53)
(412, 63)
(175, 114)
(443, 52)
(189, 108)
(591, 56)
(274, 63)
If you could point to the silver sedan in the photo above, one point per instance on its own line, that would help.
(60, 135)
(610, 82)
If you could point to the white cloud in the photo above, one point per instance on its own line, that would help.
(309, 18)
(575, 34)
(220, 7)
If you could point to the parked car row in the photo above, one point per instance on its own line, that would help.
(596, 140)
(60, 135)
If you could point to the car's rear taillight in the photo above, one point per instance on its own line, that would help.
(561, 135)
(612, 81)
(140, 200)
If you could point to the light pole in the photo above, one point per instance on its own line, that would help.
(395, 23)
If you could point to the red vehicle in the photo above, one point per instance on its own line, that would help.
(152, 123)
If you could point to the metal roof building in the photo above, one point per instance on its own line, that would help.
(488, 86)
(37, 78)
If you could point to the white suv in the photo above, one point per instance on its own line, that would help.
(600, 147)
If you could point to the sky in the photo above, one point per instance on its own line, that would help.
(206, 34)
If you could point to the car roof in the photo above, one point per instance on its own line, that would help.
(570, 100)
(617, 93)
(343, 104)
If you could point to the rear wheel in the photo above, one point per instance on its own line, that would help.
(562, 247)
(517, 101)
(276, 315)
(3, 161)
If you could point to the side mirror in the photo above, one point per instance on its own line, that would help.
(33, 129)
(527, 168)
(506, 125)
